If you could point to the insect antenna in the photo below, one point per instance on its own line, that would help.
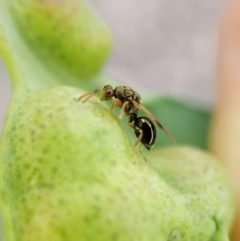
(87, 96)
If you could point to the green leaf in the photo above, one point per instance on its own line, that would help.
(187, 123)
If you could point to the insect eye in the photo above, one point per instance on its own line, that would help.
(109, 93)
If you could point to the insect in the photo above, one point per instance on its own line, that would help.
(129, 101)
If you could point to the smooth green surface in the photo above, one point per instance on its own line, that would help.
(67, 172)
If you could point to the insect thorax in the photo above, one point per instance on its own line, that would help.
(125, 93)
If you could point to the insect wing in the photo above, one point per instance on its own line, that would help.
(144, 109)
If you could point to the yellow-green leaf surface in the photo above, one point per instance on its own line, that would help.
(67, 172)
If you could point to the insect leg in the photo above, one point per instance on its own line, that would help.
(138, 140)
(122, 110)
(140, 150)
(136, 144)
(114, 104)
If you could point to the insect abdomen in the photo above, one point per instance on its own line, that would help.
(148, 129)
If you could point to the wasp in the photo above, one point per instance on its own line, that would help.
(129, 101)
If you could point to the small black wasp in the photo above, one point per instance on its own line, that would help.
(130, 103)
